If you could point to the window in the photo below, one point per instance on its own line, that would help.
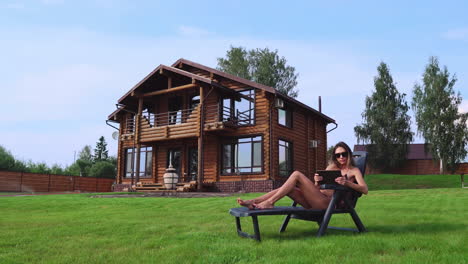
(242, 156)
(285, 117)
(241, 112)
(285, 158)
(146, 162)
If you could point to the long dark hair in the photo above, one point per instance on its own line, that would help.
(350, 162)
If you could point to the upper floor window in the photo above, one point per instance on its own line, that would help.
(285, 116)
(241, 112)
(242, 156)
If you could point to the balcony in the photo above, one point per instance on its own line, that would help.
(184, 123)
(169, 125)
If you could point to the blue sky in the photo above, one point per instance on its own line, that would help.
(65, 64)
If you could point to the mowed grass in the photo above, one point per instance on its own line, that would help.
(408, 225)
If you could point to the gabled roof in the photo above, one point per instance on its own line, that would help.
(215, 73)
(223, 74)
(415, 151)
(269, 89)
(167, 68)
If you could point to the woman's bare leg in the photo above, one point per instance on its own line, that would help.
(249, 203)
(296, 195)
(312, 195)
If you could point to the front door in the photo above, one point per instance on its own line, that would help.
(192, 164)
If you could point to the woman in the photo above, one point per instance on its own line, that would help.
(308, 194)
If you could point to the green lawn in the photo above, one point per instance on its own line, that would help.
(407, 225)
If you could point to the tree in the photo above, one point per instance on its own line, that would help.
(40, 167)
(330, 152)
(85, 154)
(82, 164)
(73, 170)
(57, 169)
(386, 124)
(436, 109)
(7, 161)
(100, 152)
(261, 66)
(236, 62)
(102, 169)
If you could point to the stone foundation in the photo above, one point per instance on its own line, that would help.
(120, 187)
(246, 186)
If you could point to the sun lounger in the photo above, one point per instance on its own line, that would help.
(343, 202)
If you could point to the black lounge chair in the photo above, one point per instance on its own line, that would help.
(343, 202)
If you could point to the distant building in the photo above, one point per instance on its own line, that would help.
(417, 162)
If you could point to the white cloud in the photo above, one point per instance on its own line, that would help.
(52, 2)
(456, 34)
(190, 31)
(15, 5)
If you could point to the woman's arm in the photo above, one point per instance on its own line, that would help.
(360, 186)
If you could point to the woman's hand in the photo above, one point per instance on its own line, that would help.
(341, 180)
(317, 178)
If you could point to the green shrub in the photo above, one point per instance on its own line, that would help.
(102, 169)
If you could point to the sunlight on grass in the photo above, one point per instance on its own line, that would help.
(405, 226)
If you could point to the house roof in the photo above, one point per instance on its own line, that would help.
(171, 69)
(415, 151)
(215, 73)
(249, 83)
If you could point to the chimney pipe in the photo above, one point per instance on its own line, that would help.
(320, 104)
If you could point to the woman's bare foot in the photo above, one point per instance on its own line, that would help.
(264, 205)
(247, 203)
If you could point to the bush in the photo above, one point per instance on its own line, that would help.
(102, 169)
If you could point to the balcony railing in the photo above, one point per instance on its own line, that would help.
(185, 123)
(169, 118)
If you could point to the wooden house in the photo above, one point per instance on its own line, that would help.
(223, 132)
(417, 162)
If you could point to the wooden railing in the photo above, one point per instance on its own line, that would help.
(185, 123)
(129, 125)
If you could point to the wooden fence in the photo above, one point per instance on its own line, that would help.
(34, 182)
(418, 167)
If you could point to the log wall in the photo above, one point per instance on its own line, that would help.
(305, 127)
(34, 182)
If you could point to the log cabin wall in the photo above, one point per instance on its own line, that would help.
(306, 126)
(261, 128)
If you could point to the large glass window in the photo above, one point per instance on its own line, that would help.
(242, 156)
(240, 112)
(285, 117)
(146, 162)
(285, 158)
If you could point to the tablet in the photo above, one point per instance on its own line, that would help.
(329, 176)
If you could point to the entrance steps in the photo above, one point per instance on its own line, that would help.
(159, 187)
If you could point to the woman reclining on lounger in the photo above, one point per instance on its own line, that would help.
(308, 194)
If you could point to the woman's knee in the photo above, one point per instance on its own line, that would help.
(297, 173)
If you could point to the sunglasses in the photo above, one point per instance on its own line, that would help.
(342, 154)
